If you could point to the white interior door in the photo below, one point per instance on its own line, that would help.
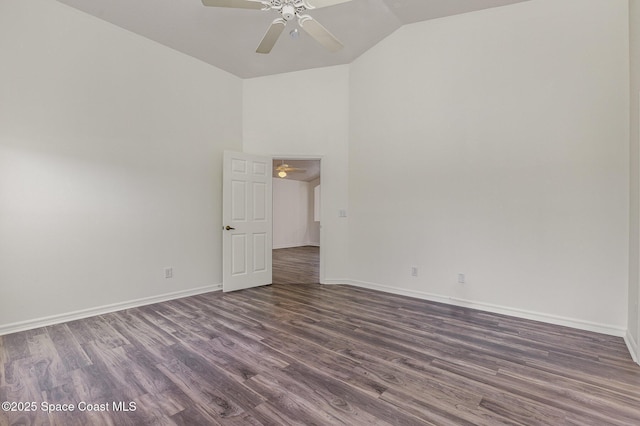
(247, 221)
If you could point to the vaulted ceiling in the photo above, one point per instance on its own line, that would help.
(227, 38)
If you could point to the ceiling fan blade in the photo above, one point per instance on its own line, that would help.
(319, 33)
(287, 168)
(315, 4)
(237, 4)
(270, 38)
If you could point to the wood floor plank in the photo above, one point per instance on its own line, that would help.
(342, 397)
(293, 400)
(298, 265)
(301, 353)
(208, 400)
(268, 414)
(329, 362)
(434, 411)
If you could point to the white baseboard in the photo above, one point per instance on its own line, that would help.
(99, 310)
(334, 281)
(514, 312)
(633, 347)
(284, 246)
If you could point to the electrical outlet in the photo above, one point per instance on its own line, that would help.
(414, 271)
(461, 278)
(168, 272)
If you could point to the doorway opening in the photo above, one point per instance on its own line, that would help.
(296, 220)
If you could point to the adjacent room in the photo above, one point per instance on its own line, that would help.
(470, 253)
(296, 221)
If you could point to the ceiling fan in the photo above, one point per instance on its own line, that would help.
(283, 169)
(288, 10)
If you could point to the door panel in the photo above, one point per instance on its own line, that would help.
(260, 251)
(247, 216)
(239, 253)
(238, 201)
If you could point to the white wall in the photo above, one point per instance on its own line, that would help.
(293, 224)
(495, 144)
(306, 114)
(110, 164)
(633, 335)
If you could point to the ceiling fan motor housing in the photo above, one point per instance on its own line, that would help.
(288, 12)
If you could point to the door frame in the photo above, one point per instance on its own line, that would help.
(321, 269)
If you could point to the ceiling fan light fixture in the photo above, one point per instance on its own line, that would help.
(282, 174)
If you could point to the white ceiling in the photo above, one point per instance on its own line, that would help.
(227, 38)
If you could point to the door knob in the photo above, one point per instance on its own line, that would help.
(229, 228)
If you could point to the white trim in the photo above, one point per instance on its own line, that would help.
(633, 347)
(334, 281)
(519, 313)
(99, 310)
(293, 245)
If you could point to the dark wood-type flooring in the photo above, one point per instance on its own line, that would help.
(298, 265)
(313, 354)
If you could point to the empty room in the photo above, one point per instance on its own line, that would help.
(467, 251)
